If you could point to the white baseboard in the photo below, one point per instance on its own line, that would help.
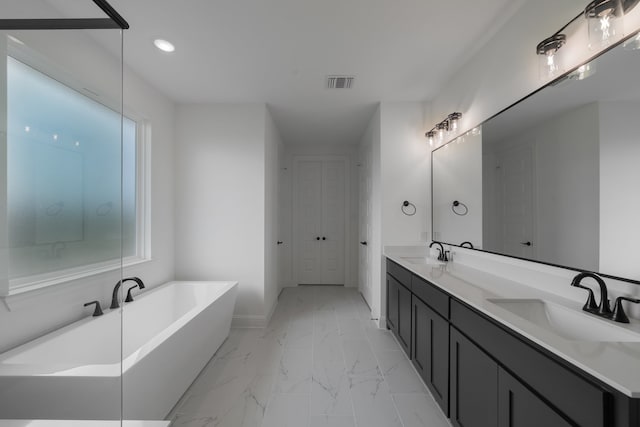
(248, 321)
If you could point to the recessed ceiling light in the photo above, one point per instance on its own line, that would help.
(164, 45)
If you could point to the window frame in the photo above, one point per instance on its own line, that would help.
(41, 282)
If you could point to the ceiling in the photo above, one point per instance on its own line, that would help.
(280, 52)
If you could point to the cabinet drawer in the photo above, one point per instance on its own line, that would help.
(583, 402)
(401, 275)
(432, 296)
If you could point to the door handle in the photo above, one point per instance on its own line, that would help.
(279, 242)
(324, 238)
(317, 238)
(525, 243)
(363, 243)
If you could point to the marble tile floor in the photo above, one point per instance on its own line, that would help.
(321, 362)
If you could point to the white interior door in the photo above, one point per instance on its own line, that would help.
(333, 222)
(320, 191)
(364, 254)
(516, 167)
(309, 221)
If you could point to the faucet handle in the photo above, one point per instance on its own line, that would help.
(590, 305)
(618, 312)
(98, 311)
(129, 296)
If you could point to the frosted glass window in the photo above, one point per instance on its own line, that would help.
(71, 184)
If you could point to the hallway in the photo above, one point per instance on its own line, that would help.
(320, 363)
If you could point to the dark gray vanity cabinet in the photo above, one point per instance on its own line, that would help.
(430, 350)
(519, 407)
(474, 384)
(563, 394)
(399, 304)
(392, 304)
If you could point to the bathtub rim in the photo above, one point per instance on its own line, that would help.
(106, 369)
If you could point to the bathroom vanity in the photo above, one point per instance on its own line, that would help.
(481, 345)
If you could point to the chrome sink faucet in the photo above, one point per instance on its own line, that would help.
(114, 296)
(603, 309)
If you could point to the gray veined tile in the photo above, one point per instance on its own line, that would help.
(330, 393)
(351, 329)
(419, 410)
(359, 359)
(399, 373)
(300, 333)
(381, 340)
(239, 402)
(186, 420)
(372, 403)
(294, 373)
(287, 410)
(331, 421)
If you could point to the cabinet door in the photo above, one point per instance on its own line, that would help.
(474, 384)
(392, 304)
(404, 319)
(430, 351)
(519, 407)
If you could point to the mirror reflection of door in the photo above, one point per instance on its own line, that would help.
(515, 178)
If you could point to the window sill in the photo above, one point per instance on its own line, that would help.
(20, 294)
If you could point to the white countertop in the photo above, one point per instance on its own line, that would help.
(614, 363)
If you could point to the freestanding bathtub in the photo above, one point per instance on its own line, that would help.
(169, 334)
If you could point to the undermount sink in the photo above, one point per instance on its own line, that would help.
(565, 322)
(421, 260)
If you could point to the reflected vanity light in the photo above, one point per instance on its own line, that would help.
(55, 136)
(27, 129)
(633, 43)
(584, 71)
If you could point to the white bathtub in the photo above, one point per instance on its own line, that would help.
(170, 333)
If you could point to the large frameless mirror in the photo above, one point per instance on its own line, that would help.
(554, 178)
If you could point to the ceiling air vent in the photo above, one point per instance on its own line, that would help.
(340, 82)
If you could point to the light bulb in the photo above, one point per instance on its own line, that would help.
(605, 27)
(27, 129)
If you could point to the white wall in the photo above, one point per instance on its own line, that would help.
(36, 313)
(401, 169)
(405, 169)
(619, 154)
(457, 175)
(371, 138)
(273, 144)
(220, 200)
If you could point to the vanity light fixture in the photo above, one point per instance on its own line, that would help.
(448, 125)
(164, 45)
(604, 19)
(431, 135)
(550, 60)
(454, 121)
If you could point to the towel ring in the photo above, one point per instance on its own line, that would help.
(459, 212)
(412, 208)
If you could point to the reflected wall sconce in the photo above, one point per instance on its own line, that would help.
(442, 129)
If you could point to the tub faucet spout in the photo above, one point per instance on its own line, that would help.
(114, 298)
